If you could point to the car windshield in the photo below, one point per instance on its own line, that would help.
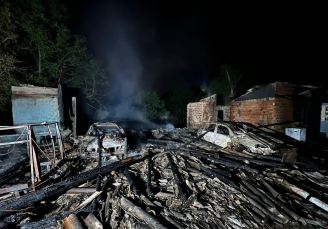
(103, 130)
(223, 130)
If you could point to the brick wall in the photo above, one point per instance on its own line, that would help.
(257, 111)
(263, 111)
(198, 113)
(284, 113)
(276, 108)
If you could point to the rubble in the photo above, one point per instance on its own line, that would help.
(179, 180)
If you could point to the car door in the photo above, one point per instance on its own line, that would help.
(220, 139)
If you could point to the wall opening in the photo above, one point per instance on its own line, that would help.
(220, 115)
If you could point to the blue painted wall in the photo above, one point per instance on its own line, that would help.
(35, 110)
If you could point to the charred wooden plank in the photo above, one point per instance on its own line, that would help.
(137, 212)
(226, 162)
(213, 173)
(149, 192)
(81, 190)
(147, 201)
(254, 161)
(266, 157)
(99, 150)
(52, 221)
(98, 188)
(131, 181)
(70, 168)
(157, 141)
(14, 171)
(54, 189)
(13, 188)
(264, 208)
(176, 179)
(255, 191)
(171, 221)
(193, 140)
(233, 164)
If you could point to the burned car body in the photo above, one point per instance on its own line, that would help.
(109, 137)
(222, 135)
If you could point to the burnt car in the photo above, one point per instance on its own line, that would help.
(110, 137)
(222, 135)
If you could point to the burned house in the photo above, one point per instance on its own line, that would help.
(236, 175)
(279, 105)
(31, 104)
(179, 181)
(267, 105)
(263, 106)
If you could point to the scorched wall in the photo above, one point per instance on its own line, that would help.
(266, 111)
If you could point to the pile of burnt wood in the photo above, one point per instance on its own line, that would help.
(181, 181)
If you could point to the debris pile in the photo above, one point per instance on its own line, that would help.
(179, 181)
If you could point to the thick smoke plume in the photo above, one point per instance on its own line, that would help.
(125, 69)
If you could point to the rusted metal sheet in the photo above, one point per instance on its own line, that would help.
(72, 222)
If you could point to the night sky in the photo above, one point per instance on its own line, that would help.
(164, 43)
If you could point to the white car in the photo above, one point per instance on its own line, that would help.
(222, 135)
(112, 139)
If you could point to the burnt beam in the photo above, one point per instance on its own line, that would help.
(176, 179)
(27, 200)
(149, 174)
(139, 213)
(131, 181)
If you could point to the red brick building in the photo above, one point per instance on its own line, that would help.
(266, 105)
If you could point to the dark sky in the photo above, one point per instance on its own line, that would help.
(160, 43)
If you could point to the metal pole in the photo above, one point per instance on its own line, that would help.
(36, 165)
(53, 145)
(12, 127)
(31, 156)
(60, 142)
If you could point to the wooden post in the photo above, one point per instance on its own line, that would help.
(72, 115)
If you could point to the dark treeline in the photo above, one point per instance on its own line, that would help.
(37, 47)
